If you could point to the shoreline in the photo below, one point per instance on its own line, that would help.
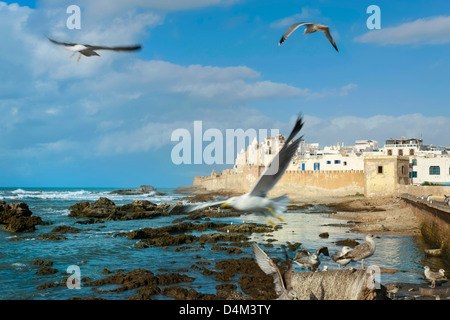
(378, 215)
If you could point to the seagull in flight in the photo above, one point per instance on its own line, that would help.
(283, 285)
(310, 28)
(90, 50)
(256, 201)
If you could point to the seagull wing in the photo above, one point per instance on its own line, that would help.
(288, 273)
(193, 207)
(124, 48)
(326, 31)
(323, 250)
(290, 30)
(269, 267)
(278, 165)
(359, 251)
(62, 43)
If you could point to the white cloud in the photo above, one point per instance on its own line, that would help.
(306, 13)
(380, 127)
(431, 30)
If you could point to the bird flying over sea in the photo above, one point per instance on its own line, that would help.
(310, 28)
(256, 200)
(90, 50)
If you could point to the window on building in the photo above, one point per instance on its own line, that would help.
(414, 162)
(316, 166)
(435, 170)
(345, 163)
(413, 174)
(389, 152)
(337, 161)
(400, 152)
(411, 152)
(403, 170)
(328, 162)
(380, 169)
(303, 167)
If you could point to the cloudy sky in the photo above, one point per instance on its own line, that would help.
(107, 121)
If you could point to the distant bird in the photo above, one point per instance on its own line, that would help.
(310, 28)
(392, 288)
(89, 50)
(361, 251)
(309, 260)
(338, 254)
(283, 286)
(256, 201)
(434, 276)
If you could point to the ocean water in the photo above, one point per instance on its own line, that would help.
(97, 247)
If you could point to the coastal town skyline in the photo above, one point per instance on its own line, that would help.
(107, 121)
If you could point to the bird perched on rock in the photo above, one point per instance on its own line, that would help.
(90, 50)
(361, 251)
(256, 200)
(434, 276)
(392, 288)
(310, 28)
(338, 254)
(283, 285)
(309, 260)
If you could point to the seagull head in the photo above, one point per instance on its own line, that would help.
(229, 202)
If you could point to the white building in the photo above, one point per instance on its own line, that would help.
(431, 168)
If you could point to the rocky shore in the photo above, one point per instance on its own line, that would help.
(238, 278)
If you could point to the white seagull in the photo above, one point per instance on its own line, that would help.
(283, 286)
(434, 276)
(256, 201)
(339, 254)
(89, 50)
(361, 251)
(310, 28)
(309, 260)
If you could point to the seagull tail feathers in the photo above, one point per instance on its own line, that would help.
(280, 204)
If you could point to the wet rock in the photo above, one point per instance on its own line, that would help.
(347, 242)
(17, 217)
(46, 270)
(39, 262)
(140, 190)
(65, 229)
(180, 293)
(324, 235)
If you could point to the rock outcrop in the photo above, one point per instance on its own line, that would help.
(17, 217)
(140, 190)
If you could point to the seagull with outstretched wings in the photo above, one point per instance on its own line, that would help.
(256, 200)
(90, 50)
(310, 28)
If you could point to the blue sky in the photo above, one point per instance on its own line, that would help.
(107, 121)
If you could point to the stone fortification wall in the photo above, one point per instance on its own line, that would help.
(307, 183)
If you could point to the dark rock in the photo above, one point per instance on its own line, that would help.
(43, 263)
(65, 229)
(16, 217)
(324, 235)
(347, 242)
(46, 270)
(140, 190)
